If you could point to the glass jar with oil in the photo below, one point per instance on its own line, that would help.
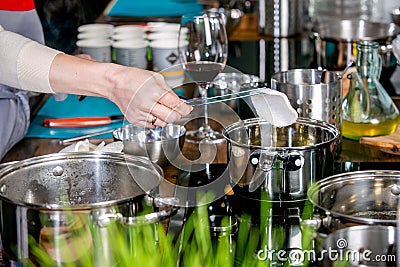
(367, 108)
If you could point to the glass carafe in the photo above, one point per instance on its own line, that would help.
(368, 110)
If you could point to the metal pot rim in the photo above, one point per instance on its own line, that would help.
(316, 187)
(75, 155)
(117, 134)
(317, 71)
(320, 30)
(249, 122)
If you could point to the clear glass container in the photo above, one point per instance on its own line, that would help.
(368, 109)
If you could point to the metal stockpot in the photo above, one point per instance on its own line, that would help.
(58, 196)
(355, 198)
(336, 40)
(362, 245)
(282, 162)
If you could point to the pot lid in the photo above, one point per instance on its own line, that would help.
(78, 180)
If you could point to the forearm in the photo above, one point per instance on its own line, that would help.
(31, 66)
(143, 96)
(25, 63)
(74, 75)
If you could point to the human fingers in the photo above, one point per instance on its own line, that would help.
(172, 101)
(164, 114)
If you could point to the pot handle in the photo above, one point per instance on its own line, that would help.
(170, 209)
(264, 162)
(154, 217)
(267, 161)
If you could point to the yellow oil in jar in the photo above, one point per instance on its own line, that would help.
(357, 130)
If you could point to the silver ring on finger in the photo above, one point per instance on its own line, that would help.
(153, 121)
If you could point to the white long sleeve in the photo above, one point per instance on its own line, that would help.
(25, 64)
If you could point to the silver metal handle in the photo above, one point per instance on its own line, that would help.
(105, 219)
(70, 140)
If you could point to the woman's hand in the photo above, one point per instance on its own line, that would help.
(143, 96)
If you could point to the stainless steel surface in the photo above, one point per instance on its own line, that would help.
(161, 145)
(76, 196)
(281, 18)
(356, 198)
(281, 162)
(73, 139)
(336, 38)
(309, 95)
(355, 30)
(105, 178)
(6, 164)
(346, 9)
(372, 241)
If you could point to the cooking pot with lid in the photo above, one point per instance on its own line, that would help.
(74, 197)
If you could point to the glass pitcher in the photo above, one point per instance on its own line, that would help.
(368, 110)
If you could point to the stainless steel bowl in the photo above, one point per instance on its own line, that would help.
(161, 144)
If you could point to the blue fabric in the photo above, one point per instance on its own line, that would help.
(153, 8)
(71, 107)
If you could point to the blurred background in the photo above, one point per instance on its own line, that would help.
(266, 36)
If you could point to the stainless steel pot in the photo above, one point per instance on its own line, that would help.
(355, 198)
(60, 195)
(362, 245)
(281, 162)
(335, 40)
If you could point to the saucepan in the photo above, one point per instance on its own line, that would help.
(355, 198)
(281, 162)
(74, 197)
